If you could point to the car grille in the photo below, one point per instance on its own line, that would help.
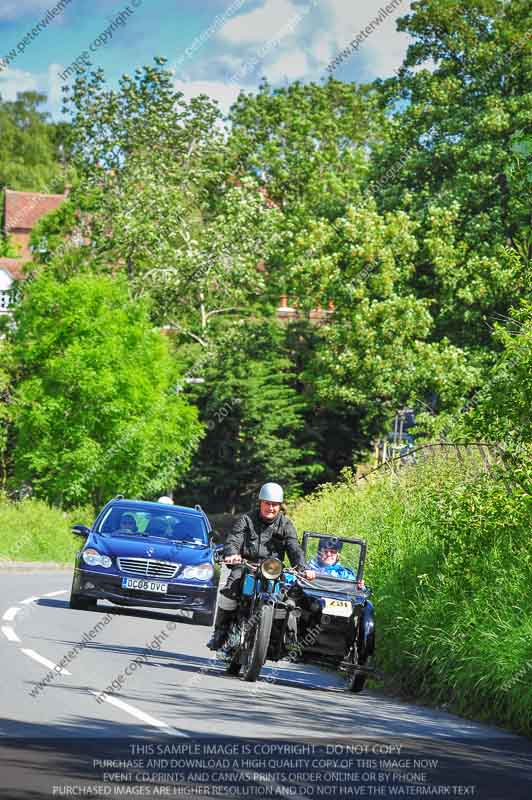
(148, 567)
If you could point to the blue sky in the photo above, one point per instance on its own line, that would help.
(215, 46)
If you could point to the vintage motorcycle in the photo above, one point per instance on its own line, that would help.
(264, 608)
(281, 615)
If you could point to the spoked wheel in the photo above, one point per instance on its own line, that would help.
(233, 662)
(258, 646)
(233, 665)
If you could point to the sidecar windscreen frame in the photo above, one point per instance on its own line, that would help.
(362, 543)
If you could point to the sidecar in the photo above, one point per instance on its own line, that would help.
(335, 626)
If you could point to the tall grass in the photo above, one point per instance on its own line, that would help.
(450, 562)
(32, 531)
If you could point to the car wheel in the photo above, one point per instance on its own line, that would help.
(203, 618)
(81, 603)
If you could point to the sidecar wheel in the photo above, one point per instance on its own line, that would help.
(357, 682)
(259, 648)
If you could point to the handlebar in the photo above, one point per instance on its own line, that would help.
(253, 565)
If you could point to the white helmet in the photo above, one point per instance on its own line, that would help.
(272, 492)
(165, 499)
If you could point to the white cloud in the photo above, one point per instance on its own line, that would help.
(14, 9)
(384, 48)
(225, 93)
(13, 81)
(322, 48)
(293, 65)
(55, 95)
(259, 25)
(386, 55)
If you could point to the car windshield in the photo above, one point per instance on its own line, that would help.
(166, 524)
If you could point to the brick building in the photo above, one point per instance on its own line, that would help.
(22, 211)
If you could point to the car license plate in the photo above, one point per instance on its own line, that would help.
(143, 585)
(338, 608)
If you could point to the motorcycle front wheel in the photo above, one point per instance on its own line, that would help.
(256, 655)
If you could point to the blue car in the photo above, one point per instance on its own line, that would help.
(147, 554)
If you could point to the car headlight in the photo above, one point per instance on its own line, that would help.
(94, 559)
(271, 568)
(202, 572)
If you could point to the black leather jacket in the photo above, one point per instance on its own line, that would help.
(277, 538)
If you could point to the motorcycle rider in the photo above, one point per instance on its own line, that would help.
(327, 560)
(278, 537)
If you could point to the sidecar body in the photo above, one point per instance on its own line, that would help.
(335, 626)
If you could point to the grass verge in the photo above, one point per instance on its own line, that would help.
(32, 531)
(450, 563)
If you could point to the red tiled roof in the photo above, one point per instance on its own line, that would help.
(24, 209)
(14, 267)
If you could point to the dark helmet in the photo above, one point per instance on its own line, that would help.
(331, 542)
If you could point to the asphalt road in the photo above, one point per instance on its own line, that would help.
(295, 733)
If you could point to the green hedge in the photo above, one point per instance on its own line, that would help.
(32, 531)
(450, 562)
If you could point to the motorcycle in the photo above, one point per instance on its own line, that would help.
(282, 615)
(264, 624)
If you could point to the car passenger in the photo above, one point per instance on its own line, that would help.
(128, 523)
(327, 561)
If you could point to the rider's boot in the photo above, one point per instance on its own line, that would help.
(221, 629)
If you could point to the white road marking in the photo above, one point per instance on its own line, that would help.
(54, 594)
(28, 600)
(8, 631)
(44, 661)
(10, 614)
(136, 712)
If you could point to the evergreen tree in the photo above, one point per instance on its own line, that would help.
(254, 421)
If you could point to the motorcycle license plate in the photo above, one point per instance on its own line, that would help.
(143, 585)
(337, 608)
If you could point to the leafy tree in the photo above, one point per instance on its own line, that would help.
(308, 143)
(163, 205)
(5, 409)
(7, 248)
(30, 146)
(375, 353)
(254, 420)
(95, 408)
(446, 157)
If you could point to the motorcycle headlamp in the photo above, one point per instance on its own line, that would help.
(94, 559)
(271, 568)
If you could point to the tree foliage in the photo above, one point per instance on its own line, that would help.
(400, 207)
(95, 408)
(30, 146)
(164, 203)
(447, 157)
(255, 421)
